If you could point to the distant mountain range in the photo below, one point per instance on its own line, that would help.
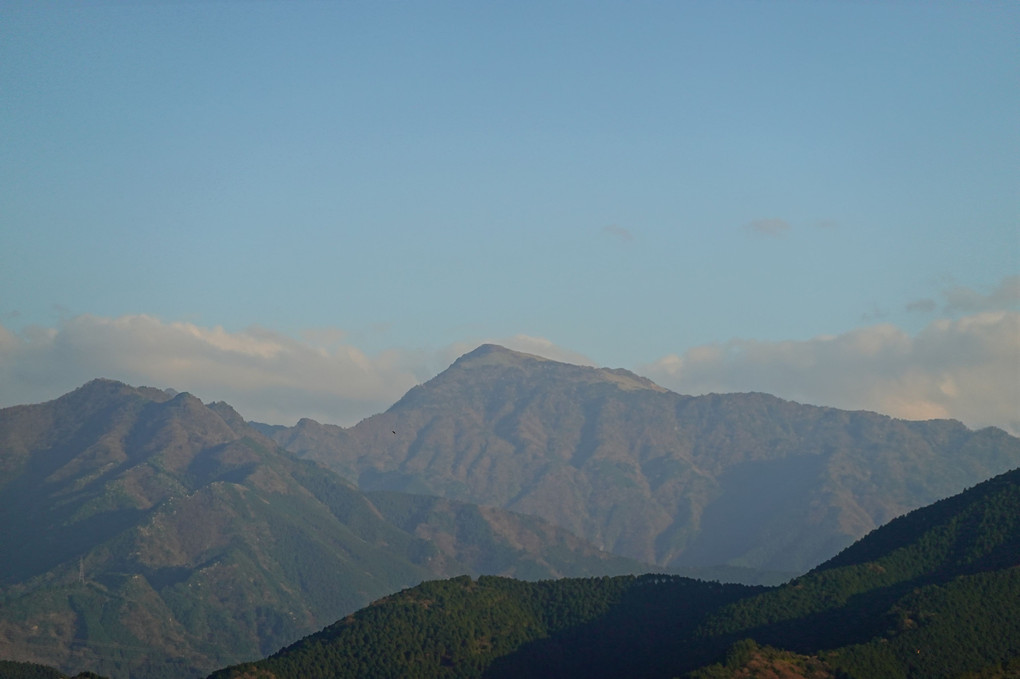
(147, 534)
(744, 480)
(934, 594)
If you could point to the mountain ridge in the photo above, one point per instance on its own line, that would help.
(649, 473)
(122, 508)
(149, 534)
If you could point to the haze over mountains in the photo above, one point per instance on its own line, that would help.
(745, 480)
(147, 533)
(933, 594)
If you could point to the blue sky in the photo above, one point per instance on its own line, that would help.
(307, 207)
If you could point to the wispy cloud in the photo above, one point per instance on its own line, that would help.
(961, 299)
(924, 306)
(772, 227)
(618, 232)
(967, 369)
(326, 338)
(265, 375)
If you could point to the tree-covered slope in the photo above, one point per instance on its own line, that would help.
(148, 534)
(466, 628)
(744, 480)
(10, 669)
(933, 594)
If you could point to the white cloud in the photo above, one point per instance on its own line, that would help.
(967, 369)
(265, 375)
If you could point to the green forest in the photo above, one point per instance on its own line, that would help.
(933, 594)
(26, 670)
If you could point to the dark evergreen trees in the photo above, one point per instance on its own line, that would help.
(934, 594)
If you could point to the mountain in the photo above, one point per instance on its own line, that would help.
(933, 594)
(742, 480)
(147, 534)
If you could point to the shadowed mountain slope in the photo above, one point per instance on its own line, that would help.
(10, 669)
(745, 480)
(150, 535)
(933, 594)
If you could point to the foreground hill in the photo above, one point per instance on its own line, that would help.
(744, 480)
(486, 627)
(10, 669)
(933, 594)
(147, 534)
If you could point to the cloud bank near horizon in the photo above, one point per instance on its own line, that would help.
(967, 369)
(266, 376)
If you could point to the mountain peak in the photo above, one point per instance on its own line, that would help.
(102, 390)
(495, 353)
(102, 385)
(496, 356)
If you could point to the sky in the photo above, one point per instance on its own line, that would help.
(306, 208)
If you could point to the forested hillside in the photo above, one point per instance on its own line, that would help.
(10, 669)
(933, 594)
(501, 627)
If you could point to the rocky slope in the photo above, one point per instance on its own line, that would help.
(148, 534)
(746, 480)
